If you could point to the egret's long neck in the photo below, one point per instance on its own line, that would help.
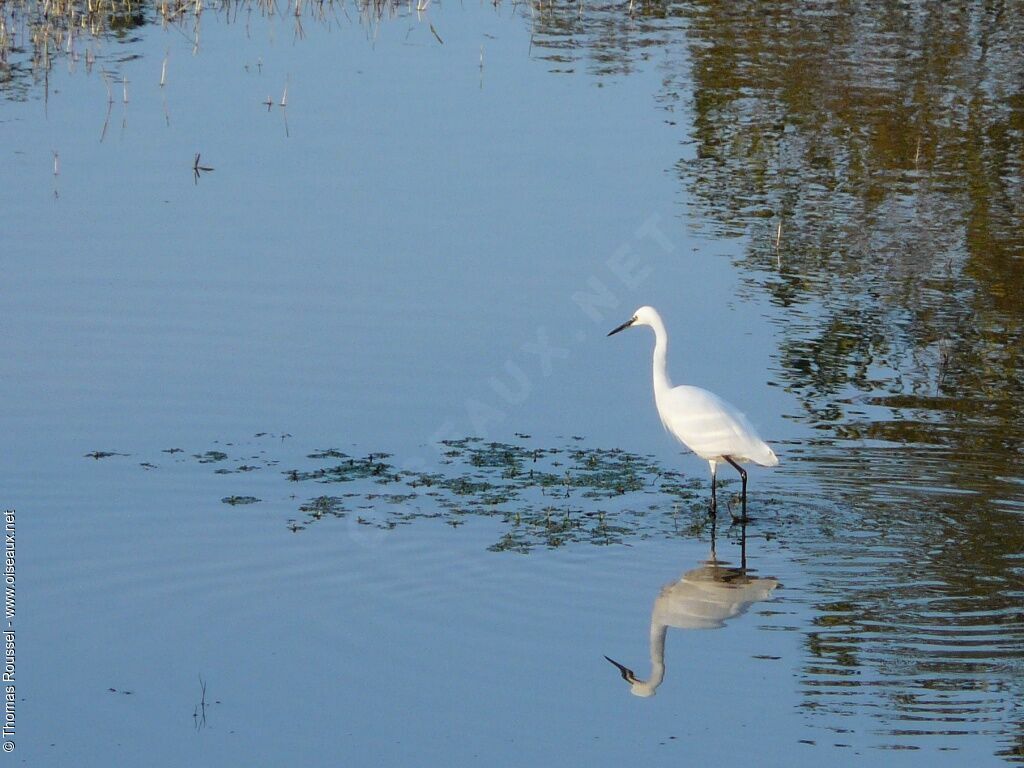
(662, 384)
(657, 654)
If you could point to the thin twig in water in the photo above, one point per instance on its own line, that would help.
(436, 35)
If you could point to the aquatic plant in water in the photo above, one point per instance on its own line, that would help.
(541, 496)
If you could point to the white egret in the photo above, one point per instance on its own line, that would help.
(701, 420)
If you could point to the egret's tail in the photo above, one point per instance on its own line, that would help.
(766, 457)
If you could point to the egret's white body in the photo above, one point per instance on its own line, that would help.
(702, 421)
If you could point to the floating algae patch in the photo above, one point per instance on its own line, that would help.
(210, 457)
(541, 496)
(331, 506)
(238, 500)
(236, 470)
(372, 466)
(613, 473)
(321, 507)
(525, 534)
(544, 496)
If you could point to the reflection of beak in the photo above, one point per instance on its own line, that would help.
(622, 327)
(626, 672)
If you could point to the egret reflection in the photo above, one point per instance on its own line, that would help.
(703, 598)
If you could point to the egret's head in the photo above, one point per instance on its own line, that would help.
(636, 687)
(643, 316)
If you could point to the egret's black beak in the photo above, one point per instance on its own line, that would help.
(626, 672)
(622, 327)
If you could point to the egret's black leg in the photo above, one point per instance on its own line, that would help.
(743, 477)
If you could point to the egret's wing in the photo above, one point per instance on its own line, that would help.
(711, 427)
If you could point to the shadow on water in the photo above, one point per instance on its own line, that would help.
(705, 597)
